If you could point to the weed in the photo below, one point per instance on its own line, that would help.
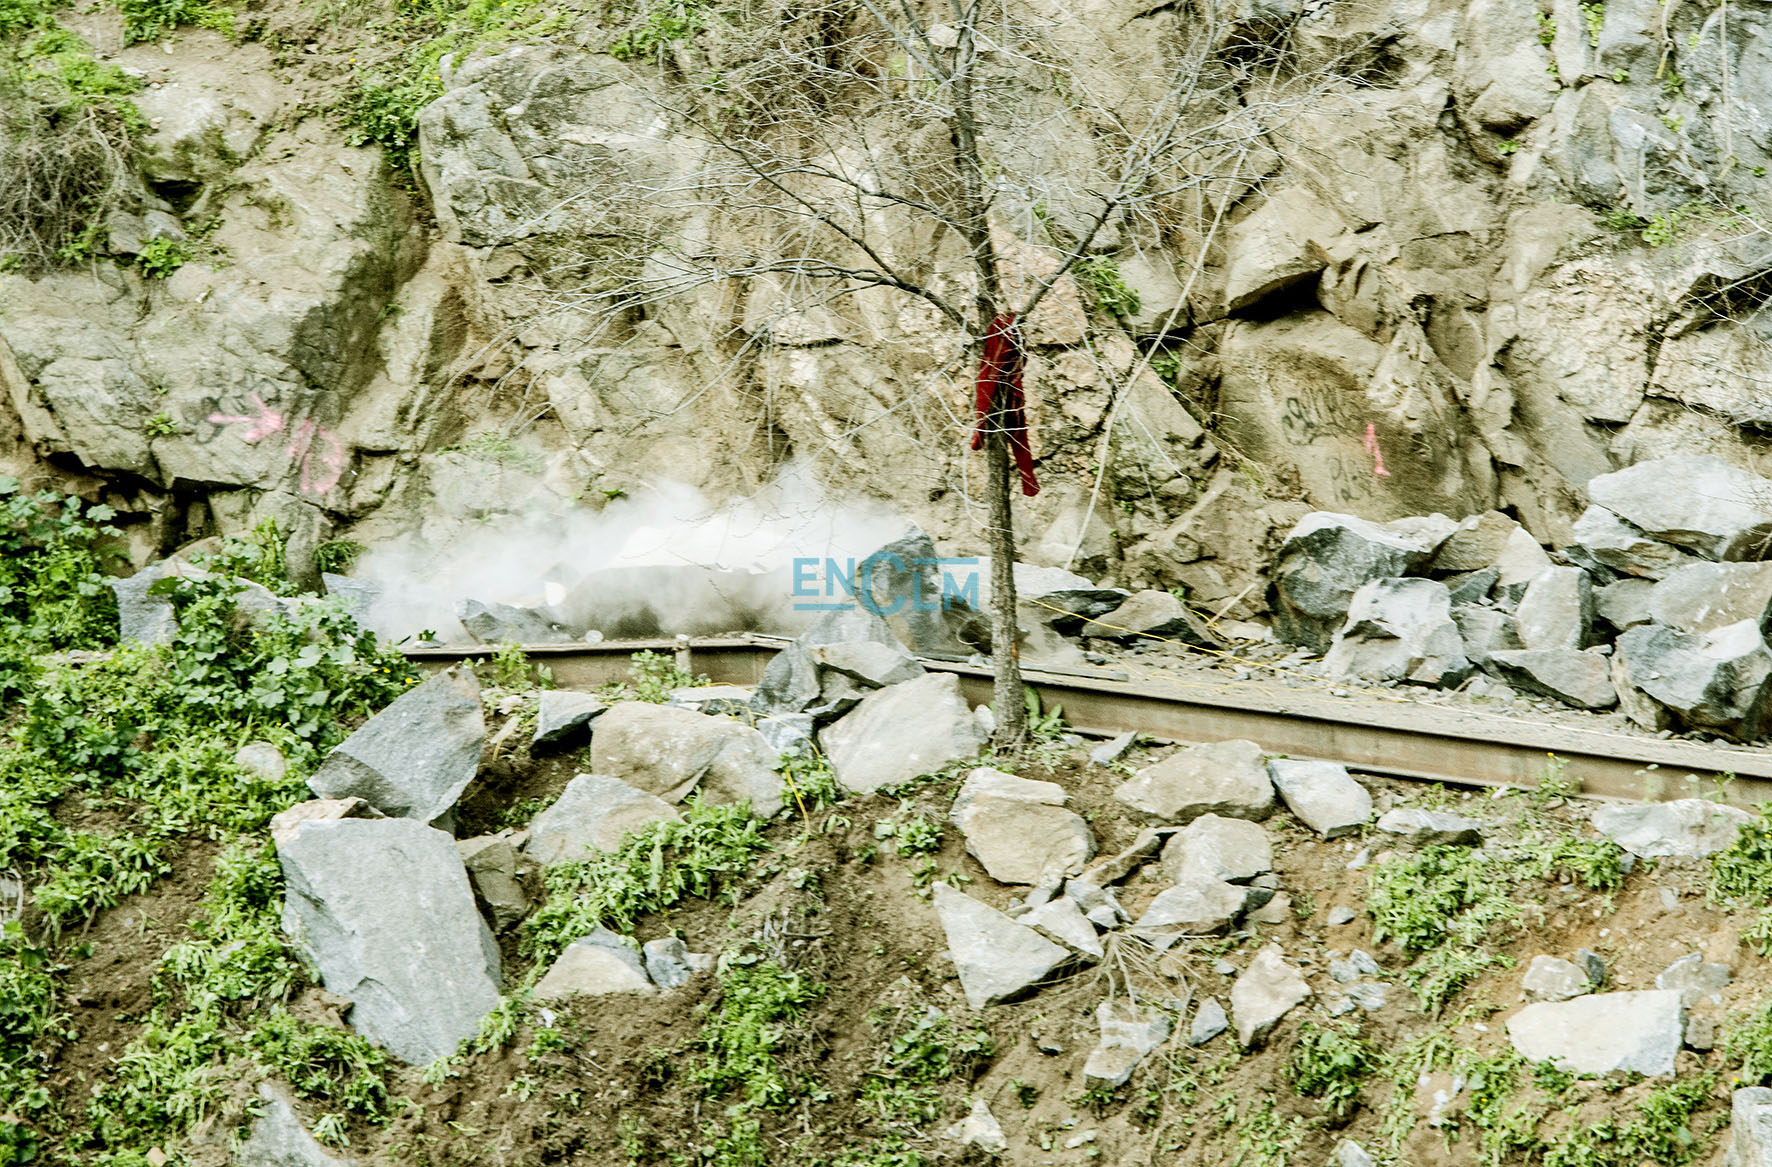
(1100, 277)
(921, 1051)
(336, 555)
(740, 1038)
(161, 257)
(1593, 15)
(1742, 876)
(1553, 782)
(1547, 29)
(658, 27)
(810, 779)
(1329, 1063)
(510, 668)
(160, 426)
(655, 677)
(498, 449)
(147, 20)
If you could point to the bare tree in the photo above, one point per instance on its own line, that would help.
(966, 156)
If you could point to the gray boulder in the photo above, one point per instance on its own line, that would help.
(1603, 1033)
(1695, 501)
(670, 964)
(902, 732)
(360, 596)
(563, 718)
(1609, 540)
(1472, 587)
(1485, 630)
(278, 1138)
(1696, 979)
(1323, 795)
(1707, 596)
(1520, 562)
(1209, 1021)
(1128, 1033)
(491, 864)
(1399, 630)
(788, 734)
(1199, 906)
(150, 619)
(997, 958)
(1019, 830)
(1476, 543)
(903, 581)
(1624, 604)
(1226, 778)
(1688, 828)
(670, 752)
(790, 681)
(1152, 614)
(1573, 676)
(1717, 681)
(597, 965)
(870, 662)
(1557, 610)
(594, 813)
(263, 761)
(414, 758)
(1551, 979)
(1215, 847)
(383, 912)
(1265, 992)
(1062, 920)
(493, 623)
(1323, 562)
(1431, 826)
(1750, 1128)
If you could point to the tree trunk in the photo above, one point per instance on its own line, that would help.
(1006, 692)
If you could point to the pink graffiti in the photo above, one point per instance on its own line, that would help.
(316, 451)
(268, 421)
(1371, 444)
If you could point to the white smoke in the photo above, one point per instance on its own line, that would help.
(658, 562)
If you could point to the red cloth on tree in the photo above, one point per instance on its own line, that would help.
(999, 371)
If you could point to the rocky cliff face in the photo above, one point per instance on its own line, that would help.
(1505, 248)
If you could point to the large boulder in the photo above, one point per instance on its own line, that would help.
(594, 813)
(1226, 778)
(1476, 543)
(1485, 631)
(790, 681)
(1687, 828)
(1265, 992)
(1574, 677)
(1704, 597)
(1609, 540)
(1400, 630)
(1019, 830)
(414, 758)
(1603, 1033)
(1557, 610)
(1234, 850)
(382, 910)
(669, 752)
(997, 958)
(1323, 562)
(900, 733)
(147, 617)
(1151, 614)
(902, 581)
(494, 623)
(1323, 795)
(1695, 501)
(1717, 681)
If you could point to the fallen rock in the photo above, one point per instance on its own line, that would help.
(670, 752)
(1323, 795)
(1062, 920)
(1750, 1128)
(1624, 604)
(1473, 587)
(263, 761)
(1203, 906)
(669, 963)
(597, 965)
(1485, 631)
(1720, 681)
(278, 1138)
(788, 734)
(1019, 830)
(1128, 1033)
(1226, 778)
(1209, 1022)
(383, 911)
(903, 580)
(997, 958)
(1325, 559)
(732, 700)
(594, 813)
(1624, 548)
(790, 681)
(902, 732)
(1399, 630)
(563, 718)
(1696, 979)
(1114, 868)
(1108, 752)
(1265, 992)
(1431, 826)
(491, 864)
(1369, 995)
(1152, 614)
(1557, 610)
(1519, 564)
(1098, 904)
(1604, 1032)
(1350, 1154)
(1215, 847)
(1355, 965)
(1707, 596)
(980, 1129)
(1572, 676)
(1474, 544)
(414, 758)
(870, 662)
(1551, 979)
(148, 618)
(1688, 828)
(1695, 501)
(491, 623)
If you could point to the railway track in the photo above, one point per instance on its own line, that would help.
(1370, 733)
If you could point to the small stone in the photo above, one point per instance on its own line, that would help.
(1358, 964)
(1209, 1022)
(1128, 1033)
(1322, 794)
(492, 869)
(1592, 965)
(1696, 979)
(1350, 1154)
(1265, 992)
(1341, 914)
(263, 761)
(317, 810)
(563, 718)
(1339, 1005)
(1275, 912)
(1369, 995)
(980, 1129)
(1431, 826)
(667, 962)
(1551, 979)
(1109, 752)
(1701, 1033)
(597, 965)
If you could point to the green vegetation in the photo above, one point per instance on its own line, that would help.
(336, 555)
(498, 449)
(706, 855)
(1741, 879)
(149, 20)
(655, 675)
(108, 770)
(658, 27)
(1329, 1063)
(919, 1055)
(1106, 287)
(161, 257)
(1593, 15)
(759, 1005)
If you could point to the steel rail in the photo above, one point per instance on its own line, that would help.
(1372, 734)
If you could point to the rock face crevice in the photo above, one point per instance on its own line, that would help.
(1507, 261)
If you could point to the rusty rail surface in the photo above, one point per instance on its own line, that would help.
(1372, 734)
